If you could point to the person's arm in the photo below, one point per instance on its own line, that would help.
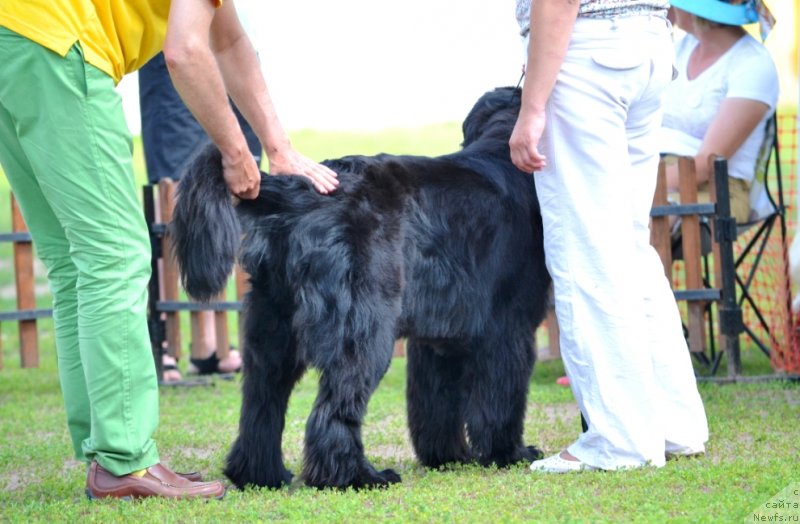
(733, 123)
(552, 22)
(210, 56)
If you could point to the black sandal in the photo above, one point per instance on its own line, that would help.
(206, 366)
(210, 365)
(167, 367)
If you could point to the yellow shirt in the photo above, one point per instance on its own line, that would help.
(116, 36)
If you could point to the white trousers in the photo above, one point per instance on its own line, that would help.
(621, 338)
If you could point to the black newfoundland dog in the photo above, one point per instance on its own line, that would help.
(445, 251)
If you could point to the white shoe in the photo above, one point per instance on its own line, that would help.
(685, 451)
(556, 464)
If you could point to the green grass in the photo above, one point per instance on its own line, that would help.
(428, 140)
(752, 454)
(751, 457)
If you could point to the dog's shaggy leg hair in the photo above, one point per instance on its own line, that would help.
(334, 453)
(271, 369)
(497, 390)
(450, 388)
(436, 403)
(205, 228)
(351, 362)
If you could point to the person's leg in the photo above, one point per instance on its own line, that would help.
(171, 136)
(52, 249)
(587, 197)
(679, 406)
(740, 199)
(71, 129)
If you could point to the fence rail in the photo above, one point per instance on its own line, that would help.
(26, 314)
(167, 305)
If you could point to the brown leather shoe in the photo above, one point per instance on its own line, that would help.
(158, 481)
(192, 476)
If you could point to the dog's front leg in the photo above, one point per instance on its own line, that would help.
(270, 372)
(498, 390)
(435, 400)
(334, 452)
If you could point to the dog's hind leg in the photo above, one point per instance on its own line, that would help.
(334, 452)
(435, 401)
(271, 369)
(500, 373)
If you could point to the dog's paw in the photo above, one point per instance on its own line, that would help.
(390, 476)
(531, 453)
(287, 478)
(513, 457)
(368, 479)
(372, 479)
(242, 480)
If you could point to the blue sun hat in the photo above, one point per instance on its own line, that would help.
(730, 12)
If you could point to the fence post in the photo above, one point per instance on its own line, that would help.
(660, 229)
(242, 287)
(221, 328)
(692, 253)
(154, 322)
(26, 290)
(730, 314)
(169, 272)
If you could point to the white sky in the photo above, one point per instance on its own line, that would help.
(361, 64)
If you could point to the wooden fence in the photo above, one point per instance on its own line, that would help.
(26, 315)
(166, 300)
(706, 294)
(703, 288)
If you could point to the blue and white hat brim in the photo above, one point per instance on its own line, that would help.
(720, 11)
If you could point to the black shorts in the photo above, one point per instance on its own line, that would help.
(170, 134)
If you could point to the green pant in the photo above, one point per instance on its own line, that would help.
(67, 152)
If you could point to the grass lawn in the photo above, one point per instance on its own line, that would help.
(752, 454)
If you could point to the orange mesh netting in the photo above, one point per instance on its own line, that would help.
(767, 312)
(787, 356)
(766, 307)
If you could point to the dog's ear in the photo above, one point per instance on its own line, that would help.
(501, 99)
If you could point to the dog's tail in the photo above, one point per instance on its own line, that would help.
(205, 229)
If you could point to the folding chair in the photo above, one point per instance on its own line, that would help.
(767, 219)
(698, 290)
(737, 265)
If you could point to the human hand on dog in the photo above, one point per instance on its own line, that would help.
(524, 142)
(242, 175)
(290, 162)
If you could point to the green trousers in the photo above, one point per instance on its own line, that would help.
(67, 152)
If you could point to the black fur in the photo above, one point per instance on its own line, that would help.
(446, 251)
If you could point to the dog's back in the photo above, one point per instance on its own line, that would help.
(460, 234)
(455, 233)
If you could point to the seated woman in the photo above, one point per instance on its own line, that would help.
(725, 91)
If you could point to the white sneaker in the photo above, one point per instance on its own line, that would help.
(556, 464)
(685, 451)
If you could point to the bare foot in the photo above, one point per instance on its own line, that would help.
(566, 455)
(170, 369)
(232, 363)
